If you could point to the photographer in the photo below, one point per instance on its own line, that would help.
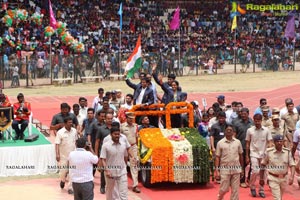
(81, 166)
(22, 111)
(4, 102)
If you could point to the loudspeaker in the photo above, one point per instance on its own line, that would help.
(32, 138)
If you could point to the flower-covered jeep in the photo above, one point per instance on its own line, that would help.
(178, 155)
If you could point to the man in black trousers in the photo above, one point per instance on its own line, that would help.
(81, 167)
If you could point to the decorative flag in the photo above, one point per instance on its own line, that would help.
(290, 26)
(53, 22)
(233, 15)
(175, 22)
(234, 24)
(241, 10)
(120, 12)
(134, 62)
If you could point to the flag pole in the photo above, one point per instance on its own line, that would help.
(179, 49)
(50, 60)
(294, 54)
(234, 51)
(120, 12)
(174, 25)
(53, 25)
(120, 51)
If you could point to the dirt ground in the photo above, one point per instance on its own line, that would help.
(203, 83)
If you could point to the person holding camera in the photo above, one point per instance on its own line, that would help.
(4, 102)
(22, 111)
(81, 166)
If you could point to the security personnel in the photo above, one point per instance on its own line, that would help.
(277, 129)
(266, 120)
(130, 129)
(229, 162)
(290, 119)
(277, 161)
(258, 138)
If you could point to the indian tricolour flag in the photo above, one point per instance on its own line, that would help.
(134, 62)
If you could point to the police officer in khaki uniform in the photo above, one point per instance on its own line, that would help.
(277, 129)
(258, 138)
(266, 121)
(277, 161)
(130, 130)
(276, 111)
(290, 119)
(229, 162)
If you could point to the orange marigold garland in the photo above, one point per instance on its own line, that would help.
(136, 107)
(162, 155)
(122, 115)
(170, 110)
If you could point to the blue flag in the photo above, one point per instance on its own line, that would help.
(120, 12)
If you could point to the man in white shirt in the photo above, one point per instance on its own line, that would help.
(120, 97)
(83, 107)
(81, 166)
(15, 77)
(64, 144)
(113, 155)
(143, 95)
(98, 99)
(140, 97)
(284, 110)
(258, 138)
(152, 86)
(128, 102)
(80, 117)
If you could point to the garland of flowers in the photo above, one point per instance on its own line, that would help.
(200, 154)
(136, 107)
(148, 110)
(182, 156)
(169, 110)
(162, 154)
(122, 115)
(178, 160)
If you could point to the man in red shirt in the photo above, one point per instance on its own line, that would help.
(4, 102)
(22, 111)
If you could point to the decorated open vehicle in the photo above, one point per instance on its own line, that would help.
(179, 155)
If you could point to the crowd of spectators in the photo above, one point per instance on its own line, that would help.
(205, 32)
